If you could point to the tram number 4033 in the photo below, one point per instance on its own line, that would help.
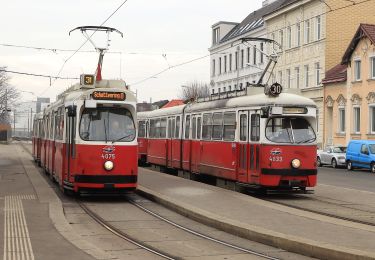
(276, 158)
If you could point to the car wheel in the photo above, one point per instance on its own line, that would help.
(349, 166)
(373, 167)
(334, 163)
(318, 162)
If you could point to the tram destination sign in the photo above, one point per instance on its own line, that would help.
(106, 95)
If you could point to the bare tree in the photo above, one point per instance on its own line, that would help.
(8, 96)
(194, 90)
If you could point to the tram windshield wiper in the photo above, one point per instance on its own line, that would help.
(306, 141)
(126, 136)
(105, 131)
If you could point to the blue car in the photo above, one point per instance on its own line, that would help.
(361, 154)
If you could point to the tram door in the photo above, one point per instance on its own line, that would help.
(196, 144)
(170, 135)
(243, 147)
(249, 148)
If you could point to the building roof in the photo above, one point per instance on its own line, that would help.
(255, 19)
(336, 74)
(173, 103)
(364, 30)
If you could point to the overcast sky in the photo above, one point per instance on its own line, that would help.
(180, 29)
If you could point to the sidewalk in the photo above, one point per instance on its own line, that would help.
(34, 223)
(293, 230)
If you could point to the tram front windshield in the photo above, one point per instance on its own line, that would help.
(289, 130)
(107, 124)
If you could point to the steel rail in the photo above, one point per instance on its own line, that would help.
(122, 235)
(200, 234)
(324, 213)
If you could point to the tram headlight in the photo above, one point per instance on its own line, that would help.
(296, 163)
(108, 165)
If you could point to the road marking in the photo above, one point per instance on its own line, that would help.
(17, 243)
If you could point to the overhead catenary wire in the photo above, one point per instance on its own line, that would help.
(35, 75)
(90, 36)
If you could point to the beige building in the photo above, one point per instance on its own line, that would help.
(300, 28)
(343, 18)
(349, 94)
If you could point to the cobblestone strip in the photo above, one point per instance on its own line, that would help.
(17, 243)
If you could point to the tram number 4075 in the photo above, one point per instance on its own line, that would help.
(108, 156)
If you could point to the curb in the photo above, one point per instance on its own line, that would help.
(56, 212)
(290, 243)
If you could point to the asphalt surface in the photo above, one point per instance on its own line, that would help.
(358, 179)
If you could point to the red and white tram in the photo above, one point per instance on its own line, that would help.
(255, 141)
(87, 139)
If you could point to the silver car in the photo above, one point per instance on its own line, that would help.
(332, 155)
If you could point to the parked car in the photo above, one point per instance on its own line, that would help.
(361, 154)
(332, 155)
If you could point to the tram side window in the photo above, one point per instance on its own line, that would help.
(59, 125)
(51, 127)
(173, 127)
(177, 133)
(207, 127)
(194, 128)
(199, 127)
(163, 128)
(229, 126)
(169, 132)
(217, 126)
(255, 127)
(243, 128)
(152, 128)
(141, 129)
(187, 127)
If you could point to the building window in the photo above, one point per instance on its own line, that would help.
(254, 55)
(357, 70)
(342, 120)
(230, 88)
(372, 62)
(280, 77)
(357, 120)
(372, 119)
(242, 58)
(307, 31)
(306, 76)
(297, 76)
(213, 91)
(248, 54)
(219, 90)
(230, 62)
(317, 73)
(224, 89)
(298, 38)
(281, 37)
(219, 66)
(216, 36)
(225, 63)
(289, 35)
(236, 60)
(318, 27)
(317, 120)
(213, 67)
(288, 77)
(261, 52)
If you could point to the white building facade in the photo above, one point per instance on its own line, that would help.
(300, 28)
(234, 64)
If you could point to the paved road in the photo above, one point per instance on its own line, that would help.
(358, 179)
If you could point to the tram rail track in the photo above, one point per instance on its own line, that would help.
(158, 252)
(327, 214)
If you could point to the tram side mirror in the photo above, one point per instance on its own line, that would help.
(72, 111)
(265, 112)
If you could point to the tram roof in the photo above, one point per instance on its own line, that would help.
(258, 100)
